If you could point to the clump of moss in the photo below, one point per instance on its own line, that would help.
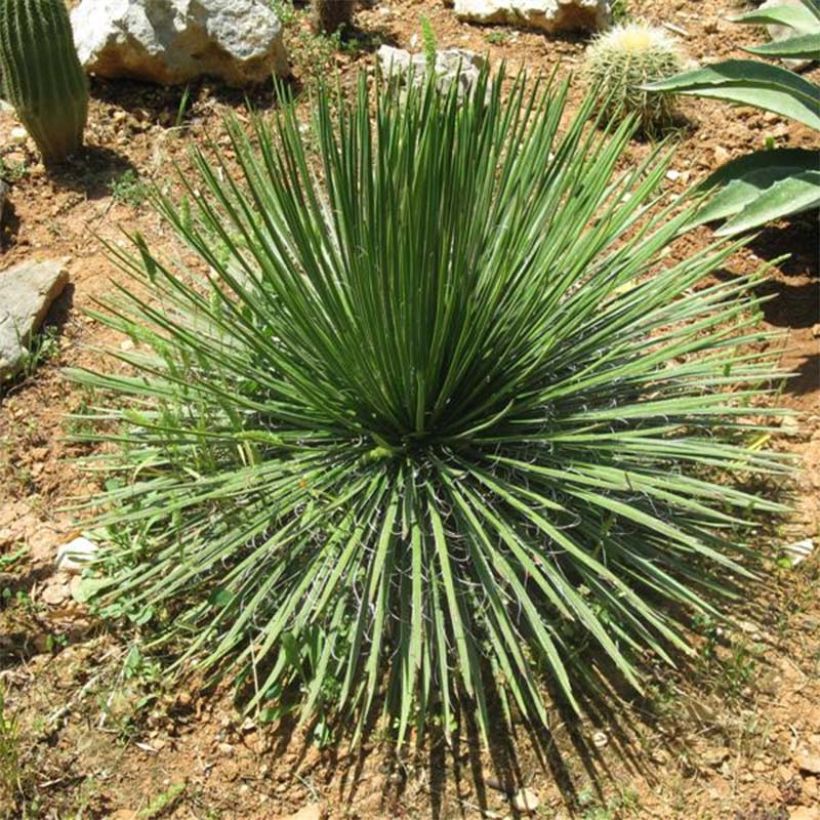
(623, 60)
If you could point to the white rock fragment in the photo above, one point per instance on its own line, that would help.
(75, 555)
(799, 551)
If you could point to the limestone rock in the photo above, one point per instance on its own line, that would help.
(26, 293)
(175, 41)
(452, 65)
(551, 16)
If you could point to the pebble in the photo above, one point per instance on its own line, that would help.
(808, 762)
(799, 551)
(18, 135)
(789, 426)
(311, 812)
(714, 757)
(55, 593)
(525, 800)
(804, 813)
(721, 155)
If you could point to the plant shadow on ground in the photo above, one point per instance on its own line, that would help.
(806, 377)
(796, 237)
(91, 171)
(580, 761)
(9, 223)
(584, 754)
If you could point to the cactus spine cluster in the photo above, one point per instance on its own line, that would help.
(42, 76)
(330, 15)
(623, 59)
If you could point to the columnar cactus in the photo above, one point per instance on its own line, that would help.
(42, 75)
(330, 15)
(621, 61)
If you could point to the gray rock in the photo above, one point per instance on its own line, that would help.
(174, 41)
(452, 65)
(551, 16)
(26, 293)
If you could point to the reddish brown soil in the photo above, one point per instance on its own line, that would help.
(722, 739)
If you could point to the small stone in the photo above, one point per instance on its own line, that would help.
(799, 551)
(18, 135)
(75, 555)
(721, 155)
(715, 757)
(789, 426)
(804, 813)
(313, 811)
(225, 748)
(525, 800)
(672, 174)
(55, 593)
(808, 762)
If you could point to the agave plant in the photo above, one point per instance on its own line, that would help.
(431, 421)
(765, 185)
